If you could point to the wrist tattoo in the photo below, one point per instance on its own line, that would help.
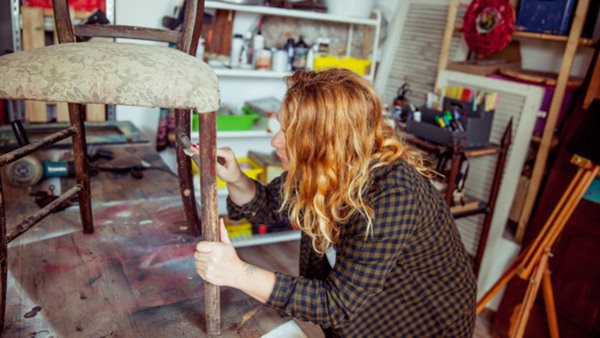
(249, 269)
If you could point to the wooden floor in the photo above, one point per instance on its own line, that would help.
(134, 277)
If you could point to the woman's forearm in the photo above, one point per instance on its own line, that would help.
(256, 282)
(241, 192)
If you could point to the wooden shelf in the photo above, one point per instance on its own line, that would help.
(290, 13)
(551, 37)
(491, 149)
(254, 73)
(542, 36)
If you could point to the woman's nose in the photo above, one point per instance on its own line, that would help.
(277, 140)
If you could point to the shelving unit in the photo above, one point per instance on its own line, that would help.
(374, 22)
(547, 140)
(583, 42)
(253, 83)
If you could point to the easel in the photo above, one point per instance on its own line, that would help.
(532, 264)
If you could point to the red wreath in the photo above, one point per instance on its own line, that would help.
(488, 25)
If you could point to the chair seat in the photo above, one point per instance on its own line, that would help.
(110, 73)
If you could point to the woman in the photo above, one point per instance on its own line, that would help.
(351, 186)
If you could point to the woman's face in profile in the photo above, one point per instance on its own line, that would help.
(278, 142)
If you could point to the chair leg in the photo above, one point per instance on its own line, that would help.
(3, 259)
(184, 173)
(76, 116)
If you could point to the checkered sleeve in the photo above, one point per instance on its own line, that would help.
(362, 265)
(263, 208)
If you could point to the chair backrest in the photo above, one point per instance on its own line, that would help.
(186, 40)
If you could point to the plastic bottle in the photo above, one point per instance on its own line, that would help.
(246, 60)
(236, 50)
(300, 54)
(258, 42)
(310, 58)
(289, 47)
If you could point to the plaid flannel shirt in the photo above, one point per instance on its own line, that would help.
(411, 278)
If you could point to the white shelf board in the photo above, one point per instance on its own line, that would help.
(226, 72)
(251, 73)
(289, 13)
(254, 133)
(267, 238)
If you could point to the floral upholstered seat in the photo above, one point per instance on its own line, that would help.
(110, 73)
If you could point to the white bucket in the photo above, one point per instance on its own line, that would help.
(351, 8)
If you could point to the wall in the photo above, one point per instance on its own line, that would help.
(145, 13)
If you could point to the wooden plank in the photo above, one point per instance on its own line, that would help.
(62, 112)
(95, 112)
(129, 32)
(555, 106)
(33, 37)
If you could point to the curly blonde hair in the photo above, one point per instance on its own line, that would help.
(335, 137)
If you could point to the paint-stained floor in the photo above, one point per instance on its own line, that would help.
(134, 277)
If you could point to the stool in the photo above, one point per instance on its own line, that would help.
(119, 73)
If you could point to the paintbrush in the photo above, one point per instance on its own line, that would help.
(187, 149)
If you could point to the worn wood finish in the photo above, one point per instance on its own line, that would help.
(62, 21)
(487, 222)
(76, 114)
(40, 214)
(199, 20)
(30, 148)
(184, 172)
(210, 223)
(135, 276)
(128, 32)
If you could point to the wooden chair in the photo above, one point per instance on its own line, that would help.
(118, 73)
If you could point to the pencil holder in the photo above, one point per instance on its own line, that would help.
(476, 125)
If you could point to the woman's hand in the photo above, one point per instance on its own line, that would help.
(217, 262)
(240, 188)
(228, 169)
